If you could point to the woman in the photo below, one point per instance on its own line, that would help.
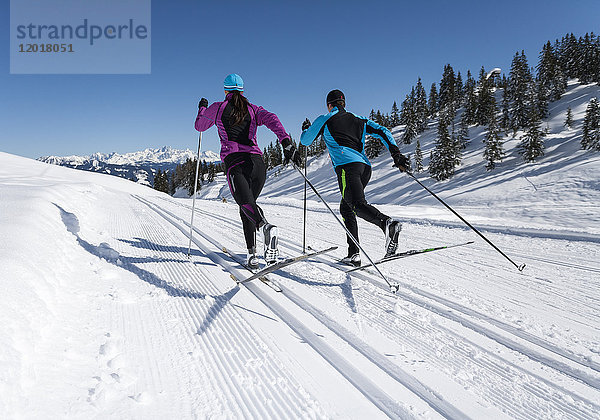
(237, 120)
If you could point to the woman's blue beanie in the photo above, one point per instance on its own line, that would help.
(234, 82)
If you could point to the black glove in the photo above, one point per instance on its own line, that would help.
(203, 103)
(290, 152)
(306, 124)
(400, 161)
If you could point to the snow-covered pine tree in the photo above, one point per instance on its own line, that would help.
(190, 171)
(596, 61)
(394, 116)
(418, 157)
(172, 186)
(266, 158)
(540, 100)
(570, 56)
(470, 99)
(569, 119)
(421, 109)
(442, 159)
(520, 87)
(433, 103)
(493, 151)
(587, 59)
(211, 172)
(459, 90)
(373, 147)
(272, 156)
(159, 184)
(405, 108)
(203, 170)
(551, 79)
(321, 145)
(447, 88)
(591, 126)
(278, 153)
(485, 99)
(409, 117)
(532, 142)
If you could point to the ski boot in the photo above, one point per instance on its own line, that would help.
(392, 231)
(353, 260)
(271, 243)
(251, 259)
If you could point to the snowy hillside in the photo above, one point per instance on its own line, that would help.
(104, 316)
(560, 191)
(139, 166)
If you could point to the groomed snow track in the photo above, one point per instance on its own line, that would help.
(386, 403)
(497, 366)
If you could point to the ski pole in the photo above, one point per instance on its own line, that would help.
(304, 231)
(519, 267)
(195, 191)
(394, 287)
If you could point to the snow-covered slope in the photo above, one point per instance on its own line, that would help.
(139, 166)
(104, 316)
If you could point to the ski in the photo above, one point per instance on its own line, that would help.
(272, 284)
(284, 263)
(407, 254)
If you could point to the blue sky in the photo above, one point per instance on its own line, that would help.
(290, 55)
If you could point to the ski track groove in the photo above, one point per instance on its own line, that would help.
(150, 340)
(442, 364)
(238, 333)
(509, 404)
(515, 331)
(452, 305)
(462, 352)
(535, 390)
(181, 312)
(141, 338)
(549, 290)
(430, 397)
(246, 404)
(217, 345)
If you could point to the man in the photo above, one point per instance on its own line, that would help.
(344, 134)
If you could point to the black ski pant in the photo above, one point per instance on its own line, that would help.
(352, 180)
(246, 174)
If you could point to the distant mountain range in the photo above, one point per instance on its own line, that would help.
(136, 166)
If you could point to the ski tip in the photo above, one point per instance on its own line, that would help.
(521, 267)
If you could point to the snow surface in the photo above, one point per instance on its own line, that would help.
(103, 315)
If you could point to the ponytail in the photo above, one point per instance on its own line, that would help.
(240, 107)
